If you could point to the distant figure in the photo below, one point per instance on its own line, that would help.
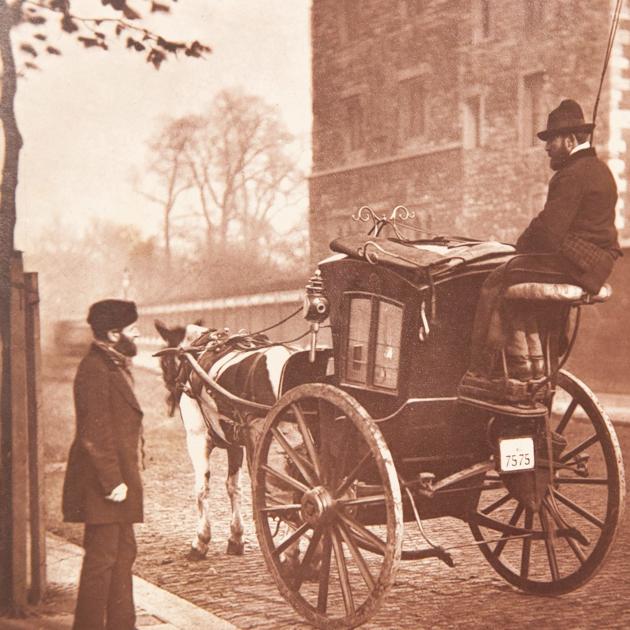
(102, 487)
(573, 240)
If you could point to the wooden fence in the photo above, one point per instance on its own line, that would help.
(22, 449)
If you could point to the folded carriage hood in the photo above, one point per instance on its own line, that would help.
(438, 254)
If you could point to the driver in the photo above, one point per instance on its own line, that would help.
(573, 239)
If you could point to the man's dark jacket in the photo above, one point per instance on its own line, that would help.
(104, 453)
(578, 220)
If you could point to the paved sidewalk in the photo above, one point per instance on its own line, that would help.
(156, 609)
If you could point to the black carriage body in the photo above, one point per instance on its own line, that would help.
(426, 430)
(382, 439)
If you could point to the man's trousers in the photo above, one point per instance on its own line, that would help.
(498, 326)
(105, 600)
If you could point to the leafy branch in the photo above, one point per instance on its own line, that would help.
(95, 32)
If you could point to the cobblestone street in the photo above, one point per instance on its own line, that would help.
(427, 594)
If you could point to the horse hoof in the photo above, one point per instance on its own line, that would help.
(195, 555)
(235, 549)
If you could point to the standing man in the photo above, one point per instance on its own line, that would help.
(572, 240)
(103, 488)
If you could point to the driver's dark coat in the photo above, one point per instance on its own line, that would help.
(580, 203)
(105, 449)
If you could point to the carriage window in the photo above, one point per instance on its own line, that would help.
(358, 340)
(387, 356)
(373, 343)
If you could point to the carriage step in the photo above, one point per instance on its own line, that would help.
(535, 410)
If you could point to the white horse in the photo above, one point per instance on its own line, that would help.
(254, 375)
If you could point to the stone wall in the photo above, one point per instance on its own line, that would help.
(491, 190)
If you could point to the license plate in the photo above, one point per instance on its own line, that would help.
(516, 454)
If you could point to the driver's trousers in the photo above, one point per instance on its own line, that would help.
(512, 325)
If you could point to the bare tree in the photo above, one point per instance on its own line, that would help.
(170, 175)
(239, 162)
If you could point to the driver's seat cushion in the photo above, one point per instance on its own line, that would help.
(556, 292)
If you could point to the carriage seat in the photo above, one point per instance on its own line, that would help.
(556, 292)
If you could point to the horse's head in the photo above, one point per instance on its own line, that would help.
(169, 363)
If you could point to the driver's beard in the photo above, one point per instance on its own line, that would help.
(126, 346)
(556, 162)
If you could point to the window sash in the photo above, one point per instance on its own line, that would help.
(373, 342)
(472, 122)
(411, 108)
(533, 110)
(354, 122)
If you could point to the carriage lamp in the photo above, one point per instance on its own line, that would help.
(315, 309)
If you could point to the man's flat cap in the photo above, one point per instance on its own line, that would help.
(112, 315)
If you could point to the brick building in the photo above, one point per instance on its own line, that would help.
(434, 104)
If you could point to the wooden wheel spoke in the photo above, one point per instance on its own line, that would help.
(280, 507)
(577, 550)
(344, 578)
(374, 498)
(290, 481)
(352, 475)
(324, 574)
(356, 554)
(586, 481)
(332, 443)
(308, 557)
(578, 509)
(363, 532)
(302, 465)
(497, 504)
(291, 539)
(568, 414)
(527, 545)
(579, 448)
(496, 552)
(308, 439)
(550, 544)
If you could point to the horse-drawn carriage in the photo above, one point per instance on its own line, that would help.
(369, 435)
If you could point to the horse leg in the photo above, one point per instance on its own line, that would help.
(199, 448)
(236, 545)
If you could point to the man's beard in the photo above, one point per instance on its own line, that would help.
(557, 161)
(126, 346)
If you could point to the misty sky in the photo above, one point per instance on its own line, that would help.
(87, 115)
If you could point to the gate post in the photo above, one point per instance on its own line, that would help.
(37, 507)
(18, 440)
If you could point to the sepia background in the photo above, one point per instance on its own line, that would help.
(210, 189)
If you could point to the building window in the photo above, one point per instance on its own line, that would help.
(472, 122)
(354, 122)
(413, 8)
(482, 20)
(411, 109)
(485, 18)
(533, 107)
(351, 18)
(534, 15)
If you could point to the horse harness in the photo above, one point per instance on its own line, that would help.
(208, 349)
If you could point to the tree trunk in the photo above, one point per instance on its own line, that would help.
(12, 146)
(167, 236)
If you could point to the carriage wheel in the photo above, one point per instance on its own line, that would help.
(587, 498)
(317, 444)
